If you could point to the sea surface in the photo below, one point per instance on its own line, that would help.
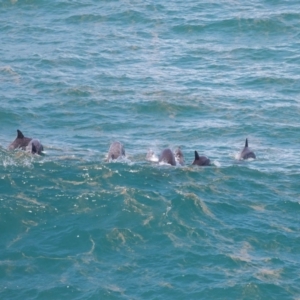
(200, 75)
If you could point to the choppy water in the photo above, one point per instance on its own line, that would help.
(203, 76)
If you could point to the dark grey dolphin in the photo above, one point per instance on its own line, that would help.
(179, 156)
(115, 151)
(201, 160)
(168, 157)
(20, 142)
(247, 152)
(35, 146)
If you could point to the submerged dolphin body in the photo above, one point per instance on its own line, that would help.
(201, 160)
(246, 152)
(115, 151)
(167, 156)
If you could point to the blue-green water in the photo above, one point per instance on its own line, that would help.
(203, 76)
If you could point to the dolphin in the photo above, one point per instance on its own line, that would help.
(200, 160)
(246, 152)
(179, 156)
(20, 142)
(25, 143)
(168, 157)
(115, 151)
(35, 147)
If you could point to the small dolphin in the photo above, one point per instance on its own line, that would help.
(115, 151)
(201, 160)
(246, 152)
(20, 142)
(35, 147)
(179, 156)
(167, 156)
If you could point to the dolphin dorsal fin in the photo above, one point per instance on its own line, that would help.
(196, 155)
(246, 143)
(20, 134)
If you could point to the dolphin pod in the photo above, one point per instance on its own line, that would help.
(167, 156)
(117, 150)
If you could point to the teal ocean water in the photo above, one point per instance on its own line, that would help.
(204, 76)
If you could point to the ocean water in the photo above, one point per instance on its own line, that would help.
(204, 76)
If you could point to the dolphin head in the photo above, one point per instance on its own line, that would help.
(179, 156)
(35, 146)
(151, 156)
(115, 151)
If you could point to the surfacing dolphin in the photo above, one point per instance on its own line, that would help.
(179, 156)
(167, 156)
(115, 151)
(246, 152)
(201, 160)
(20, 142)
(34, 146)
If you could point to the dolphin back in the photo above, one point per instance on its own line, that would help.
(201, 160)
(247, 152)
(20, 141)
